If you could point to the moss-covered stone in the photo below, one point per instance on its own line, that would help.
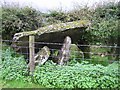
(54, 28)
(55, 33)
(76, 53)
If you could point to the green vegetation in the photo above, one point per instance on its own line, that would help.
(13, 67)
(15, 19)
(77, 76)
(13, 72)
(104, 22)
(97, 73)
(50, 75)
(18, 84)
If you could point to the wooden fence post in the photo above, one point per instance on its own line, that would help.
(0, 48)
(31, 64)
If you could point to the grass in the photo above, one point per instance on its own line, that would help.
(18, 84)
(99, 60)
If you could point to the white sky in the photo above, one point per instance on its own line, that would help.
(45, 5)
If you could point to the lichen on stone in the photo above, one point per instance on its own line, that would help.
(53, 28)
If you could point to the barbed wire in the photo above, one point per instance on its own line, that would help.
(50, 43)
(23, 49)
(75, 51)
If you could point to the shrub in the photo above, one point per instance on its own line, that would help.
(76, 53)
(16, 19)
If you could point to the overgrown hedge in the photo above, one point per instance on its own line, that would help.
(16, 19)
(73, 75)
(104, 19)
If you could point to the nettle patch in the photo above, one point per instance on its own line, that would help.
(79, 75)
(73, 75)
(13, 66)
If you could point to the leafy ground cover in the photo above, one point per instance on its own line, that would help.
(92, 74)
(18, 84)
(50, 75)
(79, 75)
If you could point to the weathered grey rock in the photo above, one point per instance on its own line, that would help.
(55, 33)
(76, 53)
(64, 53)
(54, 28)
(42, 56)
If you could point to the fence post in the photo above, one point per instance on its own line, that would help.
(0, 48)
(31, 64)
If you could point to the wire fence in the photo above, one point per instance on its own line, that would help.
(97, 53)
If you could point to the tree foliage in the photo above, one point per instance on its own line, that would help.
(104, 19)
(104, 22)
(15, 19)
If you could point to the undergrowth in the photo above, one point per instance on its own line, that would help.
(13, 66)
(50, 75)
(79, 75)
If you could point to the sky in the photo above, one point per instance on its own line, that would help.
(65, 5)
